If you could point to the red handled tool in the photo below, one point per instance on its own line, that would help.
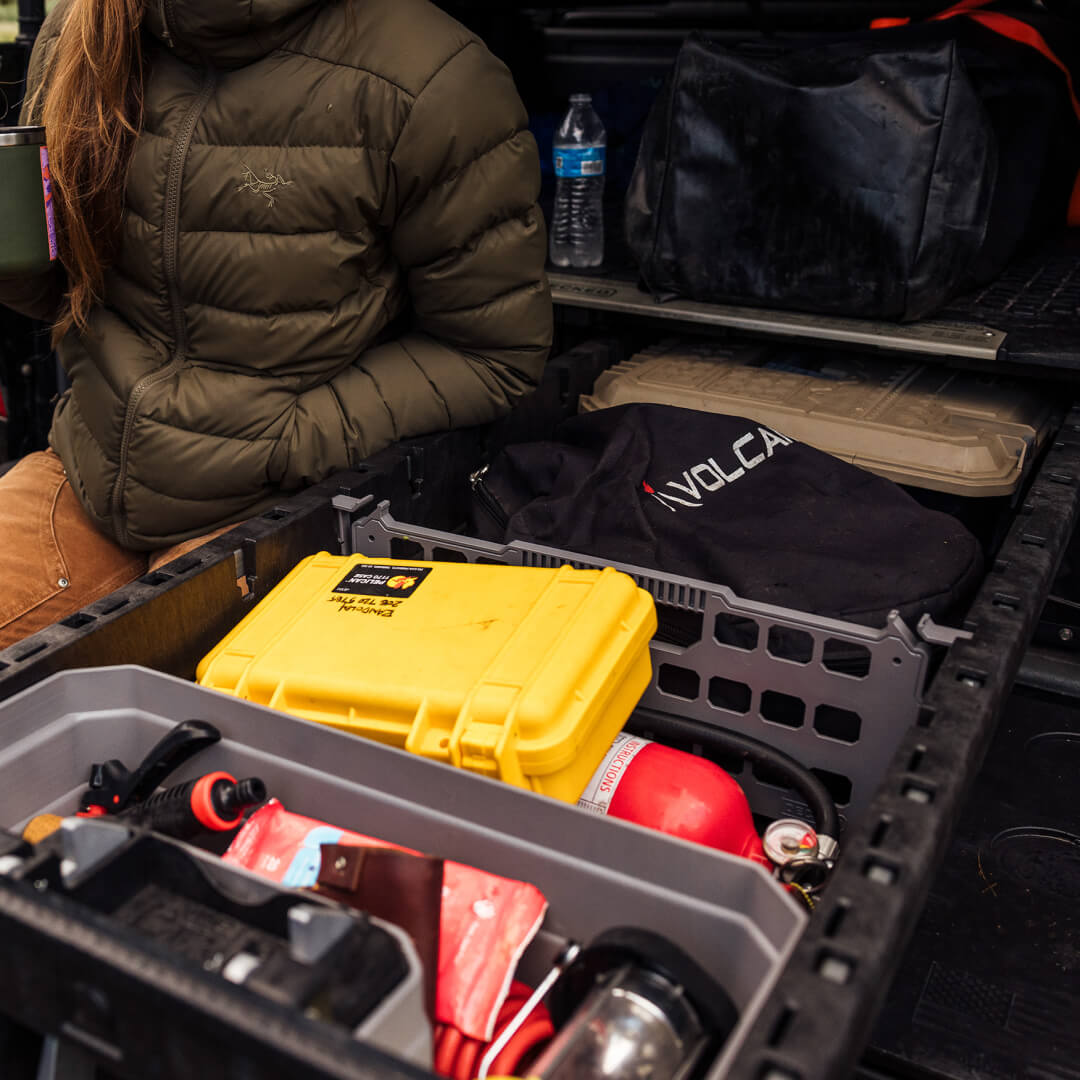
(215, 802)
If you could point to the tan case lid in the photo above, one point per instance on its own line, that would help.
(925, 425)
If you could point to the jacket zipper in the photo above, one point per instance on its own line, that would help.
(170, 251)
(486, 501)
(166, 33)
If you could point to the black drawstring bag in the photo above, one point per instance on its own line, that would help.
(728, 501)
(878, 174)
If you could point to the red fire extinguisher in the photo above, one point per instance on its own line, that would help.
(677, 793)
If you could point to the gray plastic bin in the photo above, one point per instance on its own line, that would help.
(597, 873)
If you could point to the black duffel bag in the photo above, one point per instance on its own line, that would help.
(729, 501)
(878, 174)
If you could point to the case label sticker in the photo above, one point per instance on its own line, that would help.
(396, 582)
(50, 212)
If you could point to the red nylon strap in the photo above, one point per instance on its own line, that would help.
(1006, 25)
(962, 8)
(1016, 30)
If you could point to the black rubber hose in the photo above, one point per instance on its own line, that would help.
(236, 798)
(723, 740)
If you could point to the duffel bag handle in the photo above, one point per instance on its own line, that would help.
(1015, 29)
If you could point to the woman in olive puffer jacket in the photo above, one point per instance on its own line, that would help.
(327, 240)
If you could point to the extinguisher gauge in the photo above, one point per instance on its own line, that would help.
(788, 840)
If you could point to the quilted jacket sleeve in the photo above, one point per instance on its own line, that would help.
(466, 230)
(38, 296)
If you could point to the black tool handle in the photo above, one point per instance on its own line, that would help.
(114, 788)
(212, 803)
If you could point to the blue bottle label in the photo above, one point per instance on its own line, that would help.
(576, 161)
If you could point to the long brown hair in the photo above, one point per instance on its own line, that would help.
(91, 103)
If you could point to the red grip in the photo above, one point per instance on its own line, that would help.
(202, 803)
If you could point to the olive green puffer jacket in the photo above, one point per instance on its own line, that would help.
(330, 242)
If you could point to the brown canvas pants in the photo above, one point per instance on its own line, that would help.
(53, 561)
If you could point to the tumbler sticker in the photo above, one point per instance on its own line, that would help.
(50, 216)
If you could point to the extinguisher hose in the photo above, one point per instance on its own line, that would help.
(725, 741)
(457, 1056)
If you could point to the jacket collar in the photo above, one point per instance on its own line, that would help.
(227, 33)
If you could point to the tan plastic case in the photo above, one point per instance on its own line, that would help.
(925, 425)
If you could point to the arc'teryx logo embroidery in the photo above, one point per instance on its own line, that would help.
(708, 476)
(265, 187)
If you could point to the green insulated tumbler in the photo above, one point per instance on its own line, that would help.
(27, 222)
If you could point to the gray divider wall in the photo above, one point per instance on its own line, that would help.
(834, 695)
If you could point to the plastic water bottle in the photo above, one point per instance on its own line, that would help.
(577, 228)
